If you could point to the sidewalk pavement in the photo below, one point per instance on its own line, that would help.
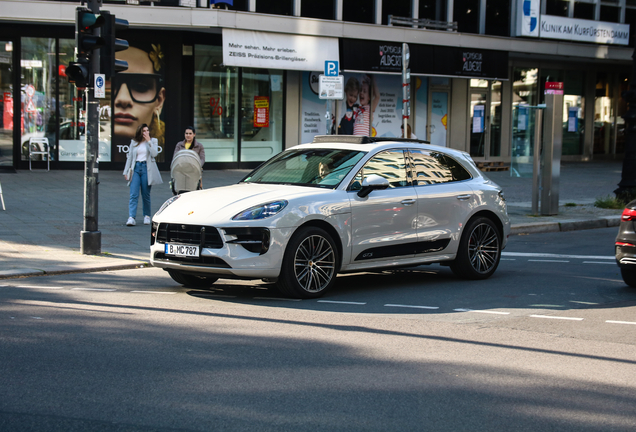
(40, 229)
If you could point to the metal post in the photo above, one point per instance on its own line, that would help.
(551, 160)
(536, 161)
(90, 237)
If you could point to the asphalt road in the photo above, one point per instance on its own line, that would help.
(547, 344)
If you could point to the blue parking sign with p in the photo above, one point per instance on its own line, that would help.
(331, 68)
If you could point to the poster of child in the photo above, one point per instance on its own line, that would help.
(369, 99)
(352, 90)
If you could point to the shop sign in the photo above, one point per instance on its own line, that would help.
(375, 56)
(552, 87)
(578, 30)
(528, 17)
(246, 48)
(261, 111)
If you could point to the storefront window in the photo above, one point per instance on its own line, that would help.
(524, 87)
(38, 75)
(603, 114)
(495, 119)
(218, 113)
(477, 122)
(6, 103)
(261, 114)
(215, 90)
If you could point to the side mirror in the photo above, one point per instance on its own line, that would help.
(371, 183)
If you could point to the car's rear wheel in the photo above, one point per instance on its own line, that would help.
(309, 265)
(192, 281)
(629, 276)
(479, 250)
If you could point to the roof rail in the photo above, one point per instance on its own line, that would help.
(422, 23)
(360, 139)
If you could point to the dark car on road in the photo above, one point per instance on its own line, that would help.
(626, 245)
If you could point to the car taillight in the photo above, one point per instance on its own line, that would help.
(628, 215)
(624, 244)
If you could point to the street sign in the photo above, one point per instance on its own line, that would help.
(331, 68)
(331, 87)
(100, 90)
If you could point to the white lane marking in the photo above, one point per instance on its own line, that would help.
(40, 287)
(276, 298)
(599, 262)
(582, 302)
(93, 289)
(557, 317)
(411, 306)
(211, 294)
(545, 260)
(482, 311)
(342, 302)
(508, 259)
(548, 255)
(154, 292)
(546, 305)
(37, 317)
(620, 322)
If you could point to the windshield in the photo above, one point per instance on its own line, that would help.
(307, 167)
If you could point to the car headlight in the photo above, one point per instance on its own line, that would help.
(261, 211)
(167, 203)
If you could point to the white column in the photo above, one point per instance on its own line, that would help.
(339, 6)
(415, 9)
(378, 11)
(450, 5)
(251, 5)
(482, 16)
(296, 8)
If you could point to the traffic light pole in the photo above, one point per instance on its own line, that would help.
(90, 237)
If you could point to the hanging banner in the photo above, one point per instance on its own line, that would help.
(256, 49)
(261, 111)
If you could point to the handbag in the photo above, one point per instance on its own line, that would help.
(154, 176)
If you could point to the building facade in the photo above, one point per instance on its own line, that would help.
(244, 74)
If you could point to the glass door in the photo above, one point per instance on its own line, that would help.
(6, 104)
(479, 122)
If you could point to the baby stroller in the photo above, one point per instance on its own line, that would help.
(185, 172)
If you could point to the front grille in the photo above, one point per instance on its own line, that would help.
(199, 235)
(201, 260)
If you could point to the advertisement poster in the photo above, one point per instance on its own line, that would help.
(478, 119)
(420, 102)
(261, 111)
(313, 109)
(439, 118)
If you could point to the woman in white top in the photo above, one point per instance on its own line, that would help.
(141, 172)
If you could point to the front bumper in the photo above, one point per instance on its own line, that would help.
(225, 252)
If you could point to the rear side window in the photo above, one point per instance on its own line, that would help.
(432, 167)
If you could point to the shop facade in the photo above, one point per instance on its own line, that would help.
(247, 106)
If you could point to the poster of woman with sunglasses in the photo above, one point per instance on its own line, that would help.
(138, 97)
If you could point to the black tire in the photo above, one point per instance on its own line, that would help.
(629, 276)
(479, 250)
(192, 281)
(310, 264)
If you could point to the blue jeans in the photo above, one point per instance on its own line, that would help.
(139, 180)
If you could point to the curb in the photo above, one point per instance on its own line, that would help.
(22, 273)
(565, 225)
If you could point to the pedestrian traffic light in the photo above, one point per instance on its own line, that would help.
(79, 72)
(109, 65)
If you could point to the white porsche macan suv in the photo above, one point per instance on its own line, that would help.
(341, 204)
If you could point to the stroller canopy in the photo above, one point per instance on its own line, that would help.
(185, 171)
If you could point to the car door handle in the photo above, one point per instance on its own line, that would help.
(408, 202)
(463, 197)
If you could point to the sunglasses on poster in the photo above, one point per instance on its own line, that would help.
(143, 88)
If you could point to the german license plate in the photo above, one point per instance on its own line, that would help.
(182, 250)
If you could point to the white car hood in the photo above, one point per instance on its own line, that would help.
(220, 204)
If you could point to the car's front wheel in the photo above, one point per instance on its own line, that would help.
(309, 265)
(629, 276)
(479, 250)
(192, 281)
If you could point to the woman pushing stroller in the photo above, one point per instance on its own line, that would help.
(187, 164)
